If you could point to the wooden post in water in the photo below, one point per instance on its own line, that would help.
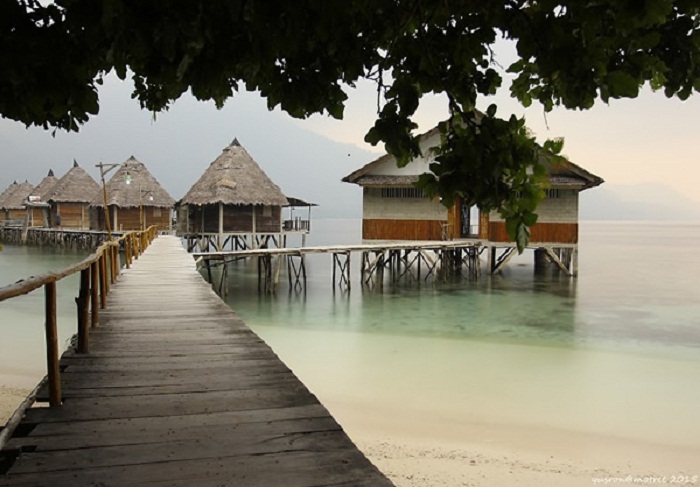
(82, 301)
(52, 357)
(94, 305)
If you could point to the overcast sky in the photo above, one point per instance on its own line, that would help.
(651, 139)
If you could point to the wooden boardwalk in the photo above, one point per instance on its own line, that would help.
(177, 391)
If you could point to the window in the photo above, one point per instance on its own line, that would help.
(553, 193)
(402, 193)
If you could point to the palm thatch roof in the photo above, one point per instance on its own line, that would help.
(234, 178)
(562, 172)
(7, 192)
(15, 199)
(133, 186)
(45, 186)
(76, 186)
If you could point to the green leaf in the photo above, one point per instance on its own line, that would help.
(622, 84)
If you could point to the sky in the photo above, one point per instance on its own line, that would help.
(650, 140)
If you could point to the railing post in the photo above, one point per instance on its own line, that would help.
(114, 255)
(104, 282)
(82, 301)
(127, 251)
(94, 288)
(52, 357)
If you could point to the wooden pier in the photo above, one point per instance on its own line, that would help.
(177, 391)
(408, 260)
(55, 237)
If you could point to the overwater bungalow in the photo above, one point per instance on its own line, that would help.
(70, 199)
(135, 200)
(5, 193)
(395, 209)
(36, 206)
(233, 203)
(12, 205)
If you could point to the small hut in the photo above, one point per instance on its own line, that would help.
(3, 196)
(70, 199)
(233, 198)
(37, 207)
(135, 200)
(13, 204)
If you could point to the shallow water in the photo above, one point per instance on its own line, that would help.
(615, 351)
(22, 342)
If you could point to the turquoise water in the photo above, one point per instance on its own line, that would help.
(22, 342)
(615, 351)
(636, 291)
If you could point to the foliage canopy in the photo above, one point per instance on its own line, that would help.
(300, 55)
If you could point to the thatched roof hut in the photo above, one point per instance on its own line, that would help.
(135, 199)
(15, 199)
(133, 185)
(12, 204)
(233, 196)
(6, 192)
(43, 189)
(70, 198)
(76, 186)
(234, 178)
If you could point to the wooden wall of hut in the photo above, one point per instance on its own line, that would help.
(541, 232)
(130, 218)
(237, 218)
(73, 215)
(386, 229)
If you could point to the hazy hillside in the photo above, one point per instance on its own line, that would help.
(647, 201)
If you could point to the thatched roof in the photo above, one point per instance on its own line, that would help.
(76, 186)
(16, 198)
(7, 192)
(45, 186)
(561, 173)
(234, 178)
(142, 189)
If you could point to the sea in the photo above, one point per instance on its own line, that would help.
(614, 351)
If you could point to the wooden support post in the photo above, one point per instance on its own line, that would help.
(94, 288)
(115, 262)
(82, 302)
(104, 282)
(52, 357)
(128, 251)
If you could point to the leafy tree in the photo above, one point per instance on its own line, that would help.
(299, 55)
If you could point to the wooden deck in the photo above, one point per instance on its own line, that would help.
(177, 391)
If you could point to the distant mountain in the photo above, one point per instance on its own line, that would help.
(646, 201)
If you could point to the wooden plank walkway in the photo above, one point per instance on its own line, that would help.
(177, 391)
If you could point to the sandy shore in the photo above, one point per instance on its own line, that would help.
(10, 399)
(498, 455)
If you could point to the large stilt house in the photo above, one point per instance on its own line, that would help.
(70, 199)
(135, 200)
(233, 201)
(394, 209)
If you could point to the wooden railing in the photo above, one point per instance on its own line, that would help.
(97, 273)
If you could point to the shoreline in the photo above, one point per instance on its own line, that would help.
(479, 454)
(490, 455)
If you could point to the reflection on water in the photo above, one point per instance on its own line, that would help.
(618, 301)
